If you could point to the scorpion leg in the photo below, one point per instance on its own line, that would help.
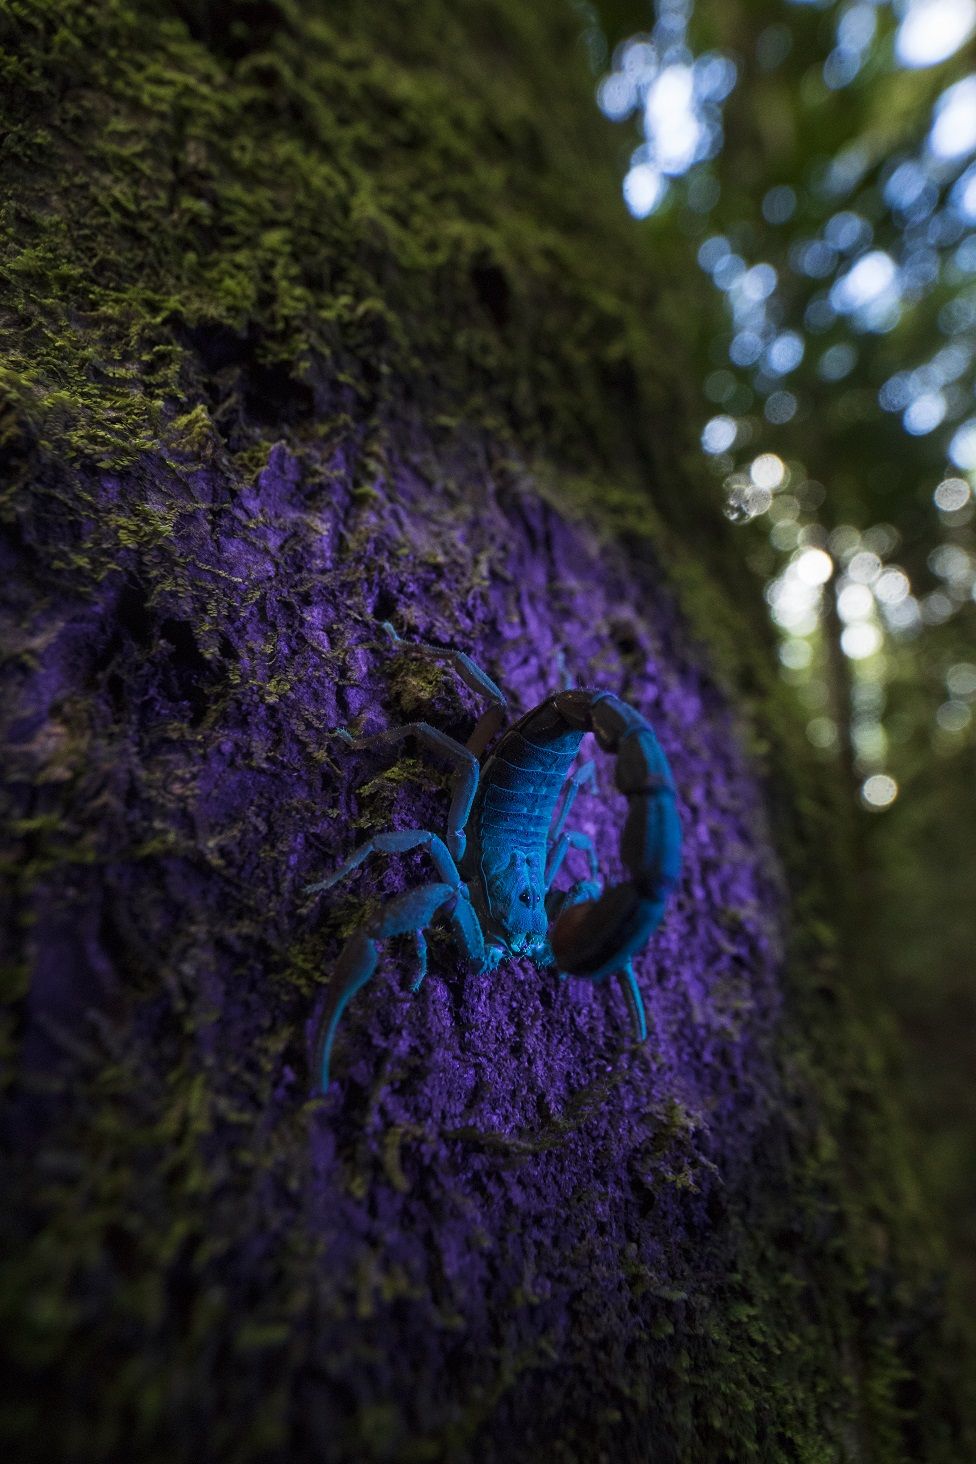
(394, 843)
(421, 945)
(584, 889)
(407, 914)
(586, 773)
(557, 854)
(565, 675)
(465, 783)
(464, 921)
(635, 1002)
(474, 678)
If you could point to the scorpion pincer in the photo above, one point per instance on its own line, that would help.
(501, 850)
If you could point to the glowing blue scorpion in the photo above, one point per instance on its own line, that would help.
(501, 851)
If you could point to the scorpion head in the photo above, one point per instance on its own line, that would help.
(516, 900)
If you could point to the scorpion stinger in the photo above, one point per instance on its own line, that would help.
(596, 937)
(504, 845)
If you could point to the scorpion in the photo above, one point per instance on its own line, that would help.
(501, 851)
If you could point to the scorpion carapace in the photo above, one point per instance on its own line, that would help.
(502, 850)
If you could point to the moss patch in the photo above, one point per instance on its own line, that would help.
(379, 235)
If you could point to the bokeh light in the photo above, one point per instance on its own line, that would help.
(860, 640)
(879, 791)
(951, 495)
(767, 470)
(962, 448)
(814, 567)
(961, 679)
(839, 341)
(953, 133)
(931, 30)
(719, 434)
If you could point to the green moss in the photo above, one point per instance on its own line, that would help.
(215, 238)
(241, 202)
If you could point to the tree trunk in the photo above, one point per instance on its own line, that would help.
(320, 317)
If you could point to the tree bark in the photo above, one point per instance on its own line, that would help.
(320, 317)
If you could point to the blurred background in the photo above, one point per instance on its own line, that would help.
(808, 170)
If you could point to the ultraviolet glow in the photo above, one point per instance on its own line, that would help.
(541, 1061)
(507, 859)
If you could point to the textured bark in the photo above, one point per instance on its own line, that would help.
(319, 319)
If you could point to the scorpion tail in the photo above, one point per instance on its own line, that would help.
(596, 937)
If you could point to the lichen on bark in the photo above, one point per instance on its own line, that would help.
(321, 316)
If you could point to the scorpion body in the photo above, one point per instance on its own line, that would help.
(505, 843)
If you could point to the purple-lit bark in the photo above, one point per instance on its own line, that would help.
(500, 1189)
(354, 328)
